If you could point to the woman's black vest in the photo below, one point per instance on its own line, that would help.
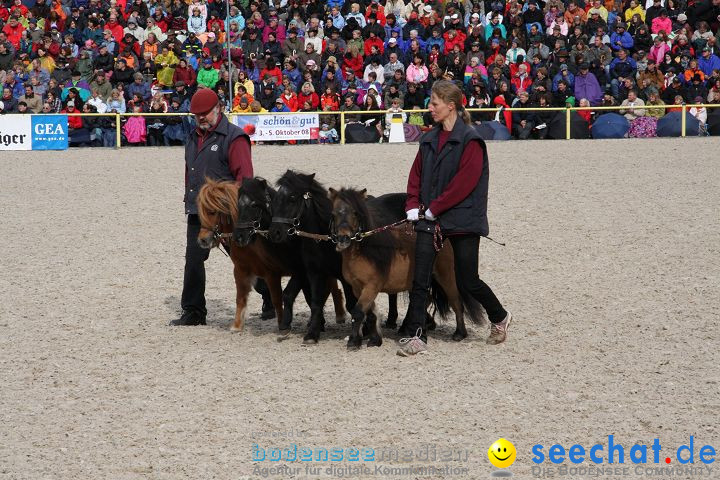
(439, 168)
(211, 161)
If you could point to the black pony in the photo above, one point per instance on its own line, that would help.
(255, 198)
(301, 203)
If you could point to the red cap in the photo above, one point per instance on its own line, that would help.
(203, 101)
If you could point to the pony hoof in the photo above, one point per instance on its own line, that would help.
(283, 335)
(459, 336)
(310, 341)
(340, 318)
(374, 342)
(235, 329)
(353, 348)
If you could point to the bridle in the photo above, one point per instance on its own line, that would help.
(253, 225)
(294, 222)
(218, 236)
(335, 238)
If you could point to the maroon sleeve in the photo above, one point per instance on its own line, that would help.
(240, 159)
(413, 185)
(464, 181)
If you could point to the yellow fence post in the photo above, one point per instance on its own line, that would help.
(683, 121)
(342, 128)
(118, 137)
(567, 123)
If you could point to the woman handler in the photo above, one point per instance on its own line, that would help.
(448, 186)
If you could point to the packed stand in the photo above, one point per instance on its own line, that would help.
(95, 56)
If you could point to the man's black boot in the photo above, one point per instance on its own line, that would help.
(189, 318)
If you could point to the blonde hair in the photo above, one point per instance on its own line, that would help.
(448, 92)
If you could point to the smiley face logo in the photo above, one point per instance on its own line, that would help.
(502, 453)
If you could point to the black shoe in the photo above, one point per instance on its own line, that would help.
(189, 318)
(268, 311)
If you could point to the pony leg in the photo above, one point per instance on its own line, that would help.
(373, 321)
(320, 293)
(350, 298)
(364, 304)
(392, 311)
(276, 295)
(456, 304)
(243, 284)
(337, 296)
(295, 284)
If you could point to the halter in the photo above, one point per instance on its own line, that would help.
(254, 225)
(295, 221)
(219, 237)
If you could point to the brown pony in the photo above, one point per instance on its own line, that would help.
(384, 262)
(218, 211)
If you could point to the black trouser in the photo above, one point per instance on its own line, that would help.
(465, 248)
(523, 133)
(193, 295)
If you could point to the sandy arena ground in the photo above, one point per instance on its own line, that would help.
(611, 270)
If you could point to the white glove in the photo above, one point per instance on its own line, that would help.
(429, 215)
(413, 214)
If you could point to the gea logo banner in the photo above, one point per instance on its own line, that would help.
(49, 132)
(33, 132)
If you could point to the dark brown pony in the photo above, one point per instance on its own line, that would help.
(384, 262)
(218, 211)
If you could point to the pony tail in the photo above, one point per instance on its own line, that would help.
(465, 115)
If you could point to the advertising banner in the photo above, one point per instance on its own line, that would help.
(33, 132)
(49, 132)
(295, 126)
(15, 132)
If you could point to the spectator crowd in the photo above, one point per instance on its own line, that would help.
(98, 56)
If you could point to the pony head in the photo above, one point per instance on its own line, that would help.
(254, 210)
(349, 215)
(217, 210)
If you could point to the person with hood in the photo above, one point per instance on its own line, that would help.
(76, 82)
(620, 39)
(654, 100)
(565, 75)
(235, 16)
(183, 73)
(587, 86)
(504, 116)
(267, 96)
(85, 66)
(166, 63)
(207, 76)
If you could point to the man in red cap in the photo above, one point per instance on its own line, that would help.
(219, 150)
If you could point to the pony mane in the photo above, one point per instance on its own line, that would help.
(217, 196)
(253, 188)
(378, 249)
(300, 183)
